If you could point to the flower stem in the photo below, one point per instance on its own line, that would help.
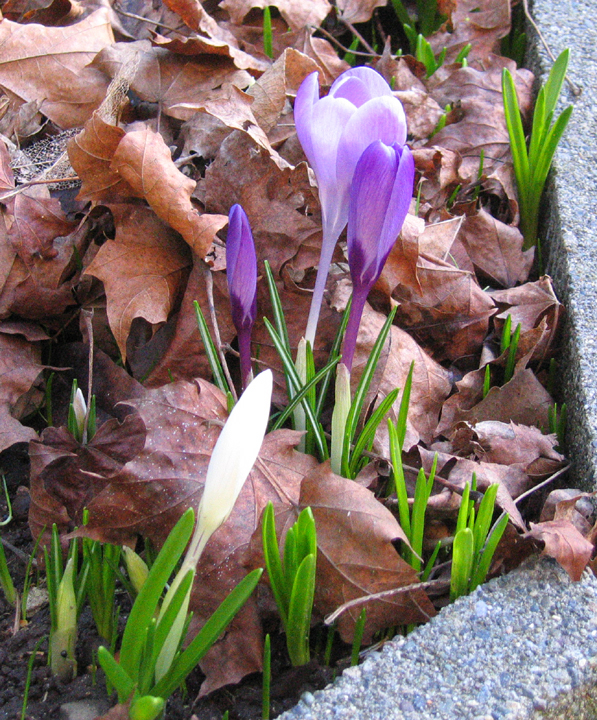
(325, 260)
(244, 349)
(359, 297)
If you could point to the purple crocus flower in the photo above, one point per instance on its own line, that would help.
(334, 131)
(241, 268)
(380, 195)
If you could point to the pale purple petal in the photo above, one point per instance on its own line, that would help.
(382, 119)
(329, 117)
(370, 194)
(306, 97)
(372, 80)
(354, 90)
(399, 203)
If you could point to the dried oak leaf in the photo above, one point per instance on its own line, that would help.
(143, 159)
(168, 79)
(522, 400)
(573, 505)
(496, 249)
(321, 51)
(20, 365)
(563, 542)
(479, 22)
(50, 65)
(356, 556)
(142, 269)
(298, 15)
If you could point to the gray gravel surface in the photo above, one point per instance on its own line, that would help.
(514, 647)
(525, 645)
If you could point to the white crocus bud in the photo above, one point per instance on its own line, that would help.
(136, 568)
(80, 410)
(231, 462)
(339, 416)
(64, 637)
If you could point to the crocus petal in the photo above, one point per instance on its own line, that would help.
(241, 267)
(370, 195)
(354, 90)
(381, 118)
(306, 97)
(371, 79)
(398, 204)
(235, 453)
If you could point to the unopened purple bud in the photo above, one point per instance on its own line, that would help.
(241, 268)
(380, 196)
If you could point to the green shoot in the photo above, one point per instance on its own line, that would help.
(558, 419)
(350, 57)
(210, 350)
(292, 579)
(29, 674)
(512, 350)
(134, 674)
(487, 380)
(532, 166)
(350, 458)
(441, 124)
(267, 679)
(101, 561)
(267, 32)
(474, 544)
(424, 54)
(6, 582)
(358, 637)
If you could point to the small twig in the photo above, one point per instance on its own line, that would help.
(355, 32)
(330, 619)
(541, 485)
(209, 286)
(142, 19)
(576, 91)
(19, 553)
(342, 47)
(24, 186)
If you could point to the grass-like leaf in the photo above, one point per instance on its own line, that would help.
(210, 351)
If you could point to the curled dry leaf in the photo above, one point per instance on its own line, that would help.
(563, 542)
(358, 11)
(20, 365)
(50, 65)
(573, 505)
(143, 159)
(142, 270)
(356, 556)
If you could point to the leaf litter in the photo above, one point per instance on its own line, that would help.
(176, 120)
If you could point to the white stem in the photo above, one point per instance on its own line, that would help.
(339, 416)
(300, 420)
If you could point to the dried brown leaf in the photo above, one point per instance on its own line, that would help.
(142, 270)
(563, 542)
(143, 159)
(50, 65)
(297, 14)
(20, 365)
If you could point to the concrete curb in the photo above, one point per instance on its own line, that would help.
(465, 663)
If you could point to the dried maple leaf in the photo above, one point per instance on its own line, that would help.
(142, 270)
(50, 65)
(356, 556)
(20, 365)
(563, 542)
(143, 159)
